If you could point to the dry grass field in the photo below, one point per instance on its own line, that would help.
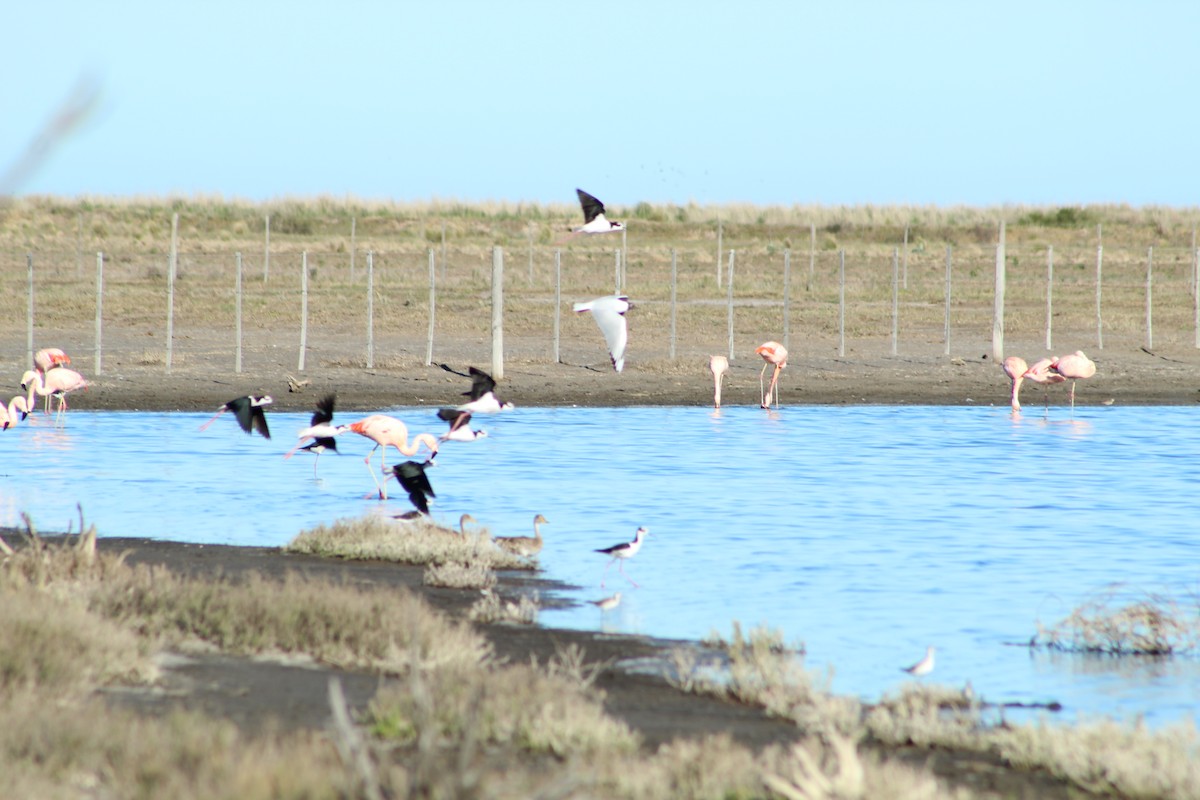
(335, 239)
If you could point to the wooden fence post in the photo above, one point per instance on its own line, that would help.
(497, 312)
(1099, 283)
(353, 225)
(29, 313)
(266, 247)
(787, 299)
(674, 290)
(99, 310)
(841, 303)
(719, 255)
(895, 299)
(433, 305)
(998, 302)
(370, 309)
(237, 292)
(946, 333)
(1150, 299)
(1049, 296)
(617, 262)
(729, 302)
(812, 255)
(171, 267)
(557, 304)
(303, 309)
(905, 271)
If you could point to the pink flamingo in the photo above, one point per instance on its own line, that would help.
(1041, 373)
(387, 432)
(58, 382)
(48, 358)
(718, 365)
(17, 410)
(1015, 368)
(772, 353)
(1074, 367)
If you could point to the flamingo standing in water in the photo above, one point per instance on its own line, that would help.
(1015, 368)
(249, 412)
(1074, 367)
(718, 365)
(1041, 373)
(16, 410)
(47, 359)
(57, 382)
(387, 432)
(321, 430)
(772, 353)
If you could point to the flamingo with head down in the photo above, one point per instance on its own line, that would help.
(57, 382)
(1015, 368)
(1041, 373)
(1074, 367)
(718, 365)
(16, 410)
(388, 432)
(772, 353)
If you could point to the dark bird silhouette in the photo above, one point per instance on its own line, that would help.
(412, 477)
(460, 426)
(249, 413)
(321, 430)
(483, 395)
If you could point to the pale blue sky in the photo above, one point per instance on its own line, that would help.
(829, 103)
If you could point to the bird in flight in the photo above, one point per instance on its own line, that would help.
(412, 477)
(321, 430)
(594, 220)
(460, 426)
(483, 395)
(249, 413)
(609, 313)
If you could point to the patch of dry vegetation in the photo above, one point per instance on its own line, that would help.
(1114, 623)
(419, 542)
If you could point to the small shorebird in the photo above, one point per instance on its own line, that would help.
(609, 313)
(924, 666)
(594, 220)
(483, 395)
(527, 546)
(621, 552)
(718, 366)
(249, 413)
(321, 430)
(607, 603)
(772, 353)
(460, 426)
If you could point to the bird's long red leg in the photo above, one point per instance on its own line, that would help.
(622, 571)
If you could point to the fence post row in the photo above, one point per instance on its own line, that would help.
(237, 292)
(998, 305)
(99, 307)
(497, 312)
(172, 262)
(729, 283)
(433, 304)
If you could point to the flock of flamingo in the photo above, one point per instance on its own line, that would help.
(51, 378)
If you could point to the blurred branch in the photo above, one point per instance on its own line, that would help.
(71, 113)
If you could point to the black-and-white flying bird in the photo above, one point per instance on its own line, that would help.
(483, 395)
(460, 426)
(321, 431)
(609, 313)
(594, 220)
(412, 477)
(249, 413)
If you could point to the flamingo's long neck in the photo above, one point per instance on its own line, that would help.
(1016, 392)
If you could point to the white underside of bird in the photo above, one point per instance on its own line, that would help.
(609, 313)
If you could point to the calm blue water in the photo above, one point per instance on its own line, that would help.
(864, 532)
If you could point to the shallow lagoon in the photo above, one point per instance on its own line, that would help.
(865, 532)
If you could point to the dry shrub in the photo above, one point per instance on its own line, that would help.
(53, 750)
(460, 575)
(375, 539)
(339, 625)
(833, 770)
(491, 608)
(550, 711)
(1109, 757)
(927, 716)
(1153, 624)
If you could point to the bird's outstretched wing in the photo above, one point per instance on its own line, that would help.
(324, 412)
(455, 417)
(481, 384)
(412, 477)
(592, 207)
